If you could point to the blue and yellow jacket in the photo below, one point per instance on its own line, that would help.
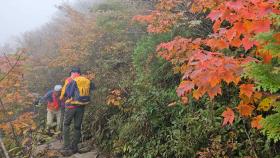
(77, 91)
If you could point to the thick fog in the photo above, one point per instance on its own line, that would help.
(19, 16)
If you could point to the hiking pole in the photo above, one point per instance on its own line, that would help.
(62, 110)
(3, 147)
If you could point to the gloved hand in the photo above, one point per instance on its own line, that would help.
(38, 105)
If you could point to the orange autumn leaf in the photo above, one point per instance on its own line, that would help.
(184, 87)
(246, 89)
(185, 100)
(247, 43)
(228, 116)
(245, 109)
(217, 43)
(248, 24)
(257, 96)
(197, 94)
(255, 123)
(212, 92)
(23, 122)
(236, 42)
(214, 81)
(267, 57)
(277, 37)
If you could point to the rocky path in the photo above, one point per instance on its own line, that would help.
(51, 150)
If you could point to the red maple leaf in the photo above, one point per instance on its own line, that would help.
(230, 34)
(215, 14)
(235, 5)
(228, 116)
(217, 25)
(267, 57)
(247, 44)
(261, 26)
(239, 28)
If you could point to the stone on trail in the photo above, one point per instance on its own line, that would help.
(56, 145)
(92, 154)
(51, 150)
(40, 150)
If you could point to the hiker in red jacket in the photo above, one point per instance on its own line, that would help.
(54, 108)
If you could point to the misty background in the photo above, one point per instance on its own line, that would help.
(20, 16)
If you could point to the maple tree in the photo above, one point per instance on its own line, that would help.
(14, 95)
(235, 25)
(13, 89)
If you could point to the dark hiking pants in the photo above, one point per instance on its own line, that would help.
(61, 119)
(75, 114)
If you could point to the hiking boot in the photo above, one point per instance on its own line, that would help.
(75, 149)
(66, 152)
(49, 133)
(58, 136)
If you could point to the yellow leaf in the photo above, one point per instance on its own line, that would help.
(266, 104)
(176, 69)
(10, 113)
(257, 96)
(117, 103)
(183, 68)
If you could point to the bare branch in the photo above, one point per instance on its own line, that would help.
(12, 67)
